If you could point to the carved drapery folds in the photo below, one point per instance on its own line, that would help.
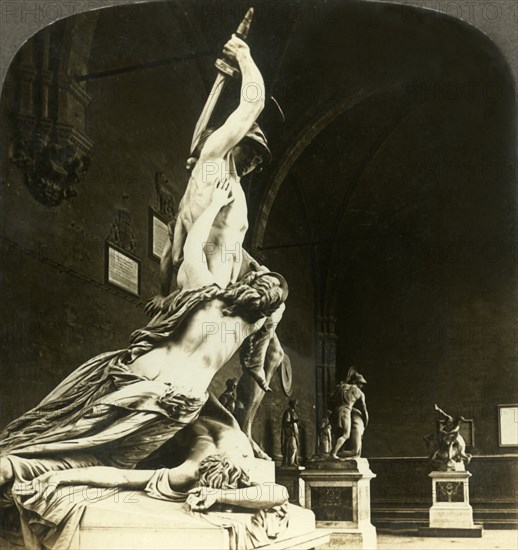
(49, 145)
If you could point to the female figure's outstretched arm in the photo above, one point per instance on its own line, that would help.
(194, 270)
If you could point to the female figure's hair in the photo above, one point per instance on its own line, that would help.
(256, 295)
(218, 472)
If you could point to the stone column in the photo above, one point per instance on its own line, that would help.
(325, 363)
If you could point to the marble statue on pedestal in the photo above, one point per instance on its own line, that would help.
(229, 398)
(451, 514)
(116, 409)
(336, 482)
(446, 447)
(290, 440)
(325, 436)
(350, 416)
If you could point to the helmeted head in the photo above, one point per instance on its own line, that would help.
(293, 403)
(359, 380)
(251, 152)
(354, 377)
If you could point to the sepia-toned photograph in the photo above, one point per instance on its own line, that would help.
(259, 274)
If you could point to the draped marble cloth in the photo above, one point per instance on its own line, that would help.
(244, 532)
(53, 523)
(103, 413)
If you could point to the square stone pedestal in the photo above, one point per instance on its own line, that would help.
(289, 476)
(338, 492)
(451, 514)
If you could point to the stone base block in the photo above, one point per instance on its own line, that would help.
(471, 532)
(136, 521)
(356, 539)
(451, 511)
(339, 494)
(451, 516)
(290, 478)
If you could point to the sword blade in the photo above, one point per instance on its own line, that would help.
(208, 109)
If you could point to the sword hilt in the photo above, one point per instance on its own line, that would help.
(226, 67)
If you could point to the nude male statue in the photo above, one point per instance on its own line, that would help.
(230, 152)
(290, 439)
(227, 153)
(351, 403)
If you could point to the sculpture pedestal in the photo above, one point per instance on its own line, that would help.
(137, 521)
(451, 514)
(338, 492)
(289, 476)
(132, 520)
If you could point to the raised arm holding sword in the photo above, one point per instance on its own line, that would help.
(226, 153)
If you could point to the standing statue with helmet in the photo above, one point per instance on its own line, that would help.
(350, 416)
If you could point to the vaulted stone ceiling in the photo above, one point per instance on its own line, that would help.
(348, 75)
(380, 102)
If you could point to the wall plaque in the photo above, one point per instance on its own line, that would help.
(158, 234)
(508, 425)
(121, 269)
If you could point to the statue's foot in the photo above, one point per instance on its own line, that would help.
(258, 376)
(258, 452)
(336, 457)
(348, 454)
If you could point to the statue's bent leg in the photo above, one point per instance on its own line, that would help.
(345, 423)
(251, 395)
(253, 356)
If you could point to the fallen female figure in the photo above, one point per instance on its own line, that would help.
(117, 408)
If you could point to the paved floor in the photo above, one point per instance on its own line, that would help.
(491, 539)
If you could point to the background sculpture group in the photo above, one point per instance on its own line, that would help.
(346, 421)
(446, 447)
